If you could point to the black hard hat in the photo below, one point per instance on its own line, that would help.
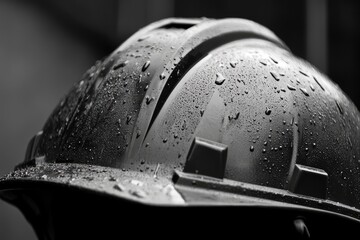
(199, 113)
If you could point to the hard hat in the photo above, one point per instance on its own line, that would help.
(199, 112)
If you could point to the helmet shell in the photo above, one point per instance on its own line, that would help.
(231, 82)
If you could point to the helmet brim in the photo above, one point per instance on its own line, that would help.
(128, 185)
(84, 187)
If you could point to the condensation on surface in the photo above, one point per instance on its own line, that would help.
(271, 109)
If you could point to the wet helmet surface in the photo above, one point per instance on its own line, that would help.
(223, 103)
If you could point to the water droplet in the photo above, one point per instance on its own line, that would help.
(252, 148)
(304, 91)
(112, 179)
(138, 193)
(219, 79)
(143, 38)
(146, 65)
(303, 73)
(263, 63)
(62, 103)
(237, 115)
(318, 83)
(136, 183)
(142, 162)
(314, 144)
(44, 177)
(162, 76)
(156, 170)
(183, 126)
(164, 140)
(306, 149)
(149, 99)
(312, 87)
(265, 143)
(275, 76)
(119, 187)
(264, 150)
(339, 107)
(267, 111)
(291, 87)
(146, 87)
(276, 62)
(120, 64)
(128, 119)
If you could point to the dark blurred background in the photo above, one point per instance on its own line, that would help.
(46, 45)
